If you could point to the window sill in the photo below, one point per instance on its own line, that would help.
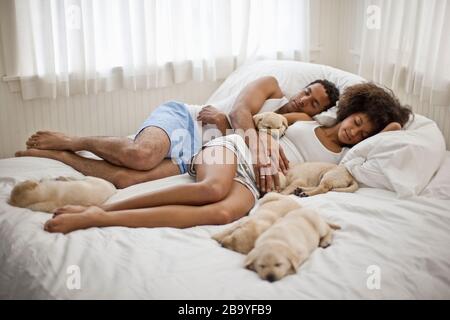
(13, 83)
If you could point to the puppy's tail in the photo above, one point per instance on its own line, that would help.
(351, 188)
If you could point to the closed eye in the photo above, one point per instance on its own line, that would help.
(277, 265)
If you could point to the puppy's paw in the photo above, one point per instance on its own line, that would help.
(298, 191)
(326, 240)
(303, 195)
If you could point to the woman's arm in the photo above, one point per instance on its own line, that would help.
(296, 116)
(393, 126)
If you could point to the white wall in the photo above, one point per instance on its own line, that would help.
(334, 33)
(115, 113)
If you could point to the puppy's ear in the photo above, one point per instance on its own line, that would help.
(296, 259)
(250, 260)
(334, 226)
(285, 122)
(257, 119)
(29, 185)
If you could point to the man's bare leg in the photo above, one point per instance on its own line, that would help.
(121, 177)
(146, 152)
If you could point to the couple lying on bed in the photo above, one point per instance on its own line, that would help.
(231, 170)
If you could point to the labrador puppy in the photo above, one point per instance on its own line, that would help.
(311, 178)
(288, 243)
(241, 237)
(273, 123)
(49, 194)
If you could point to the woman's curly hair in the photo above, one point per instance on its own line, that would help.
(378, 103)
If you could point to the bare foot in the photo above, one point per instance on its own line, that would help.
(69, 209)
(66, 223)
(47, 140)
(51, 154)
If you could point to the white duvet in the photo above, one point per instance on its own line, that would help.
(404, 244)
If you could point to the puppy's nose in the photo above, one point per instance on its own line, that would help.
(270, 277)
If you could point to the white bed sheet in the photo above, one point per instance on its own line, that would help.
(407, 239)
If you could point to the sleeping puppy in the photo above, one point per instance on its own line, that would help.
(311, 178)
(288, 243)
(47, 195)
(241, 237)
(273, 123)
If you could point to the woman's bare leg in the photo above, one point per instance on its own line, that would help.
(236, 205)
(146, 152)
(214, 181)
(119, 176)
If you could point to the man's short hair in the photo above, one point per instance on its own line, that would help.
(331, 90)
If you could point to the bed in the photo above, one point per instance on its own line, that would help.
(391, 246)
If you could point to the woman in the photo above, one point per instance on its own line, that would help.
(225, 190)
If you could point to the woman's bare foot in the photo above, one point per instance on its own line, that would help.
(66, 223)
(47, 140)
(69, 209)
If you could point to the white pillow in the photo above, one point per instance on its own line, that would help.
(439, 187)
(292, 76)
(402, 161)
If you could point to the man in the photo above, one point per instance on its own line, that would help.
(157, 152)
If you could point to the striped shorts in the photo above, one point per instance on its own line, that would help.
(244, 172)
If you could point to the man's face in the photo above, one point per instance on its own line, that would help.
(312, 100)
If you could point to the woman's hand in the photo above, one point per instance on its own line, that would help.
(393, 126)
(270, 159)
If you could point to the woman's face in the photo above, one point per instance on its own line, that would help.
(355, 128)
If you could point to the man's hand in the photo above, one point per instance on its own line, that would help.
(212, 115)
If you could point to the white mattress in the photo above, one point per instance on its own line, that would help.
(407, 239)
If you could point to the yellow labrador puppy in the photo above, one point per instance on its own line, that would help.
(273, 122)
(288, 243)
(311, 178)
(48, 194)
(241, 237)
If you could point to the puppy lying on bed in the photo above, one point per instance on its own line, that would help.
(47, 195)
(311, 178)
(281, 249)
(241, 237)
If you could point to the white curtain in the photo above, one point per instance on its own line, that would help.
(409, 48)
(63, 47)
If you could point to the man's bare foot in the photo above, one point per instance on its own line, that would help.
(51, 154)
(47, 140)
(66, 223)
(69, 209)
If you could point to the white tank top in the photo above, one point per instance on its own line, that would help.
(300, 142)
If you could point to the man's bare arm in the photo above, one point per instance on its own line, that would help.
(296, 116)
(250, 101)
